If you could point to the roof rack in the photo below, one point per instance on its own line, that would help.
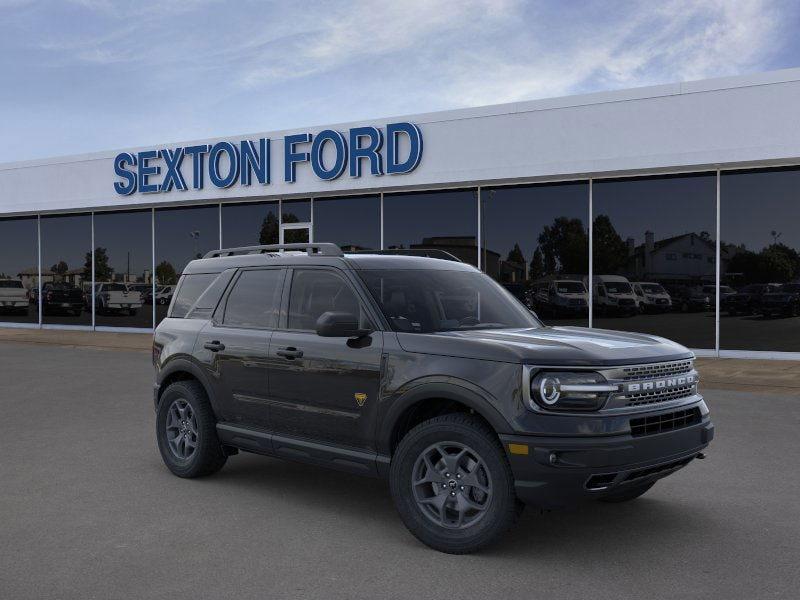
(426, 252)
(325, 249)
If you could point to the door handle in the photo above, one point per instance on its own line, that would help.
(290, 353)
(214, 346)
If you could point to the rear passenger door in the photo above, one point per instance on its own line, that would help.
(323, 389)
(234, 345)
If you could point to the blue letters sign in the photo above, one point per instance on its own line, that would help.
(329, 152)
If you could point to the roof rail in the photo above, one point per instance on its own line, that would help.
(325, 249)
(426, 252)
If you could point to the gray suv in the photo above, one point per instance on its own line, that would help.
(420, 370)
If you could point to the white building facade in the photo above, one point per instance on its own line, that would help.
(566, 188)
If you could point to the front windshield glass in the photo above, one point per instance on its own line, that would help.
(652, 288)
(429, 301)
(570, 287)
(617, 287)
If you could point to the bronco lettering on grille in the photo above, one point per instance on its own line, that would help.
(659, 384)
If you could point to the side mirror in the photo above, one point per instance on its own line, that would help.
(340, 324)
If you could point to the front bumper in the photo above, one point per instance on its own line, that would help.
(563, 471)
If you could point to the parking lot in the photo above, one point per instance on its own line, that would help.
(87, 510)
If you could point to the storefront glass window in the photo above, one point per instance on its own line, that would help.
(250, 224)
(353, 223)
(444, 221)
(760, 260)
(535, 241)
(19, 270)
(67, 269)
(654, 253)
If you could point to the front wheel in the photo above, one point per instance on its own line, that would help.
(186, 431)
(452, 484)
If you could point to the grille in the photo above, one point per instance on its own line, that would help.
(653, 397)
(656, 370)
(627, 301)
(666, 422)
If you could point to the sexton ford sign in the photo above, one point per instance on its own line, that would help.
(225, 164)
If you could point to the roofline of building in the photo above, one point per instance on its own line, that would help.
(546, 104)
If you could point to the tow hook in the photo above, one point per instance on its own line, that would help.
(700, 456)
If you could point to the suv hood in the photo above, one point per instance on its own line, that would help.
(568, 346)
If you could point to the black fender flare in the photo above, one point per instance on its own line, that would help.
(458, 391)
(186, 365)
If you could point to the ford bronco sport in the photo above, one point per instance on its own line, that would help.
(419, 370)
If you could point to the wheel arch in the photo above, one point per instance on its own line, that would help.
(182, 369)
(431, 399)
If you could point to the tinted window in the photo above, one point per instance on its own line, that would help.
(433, 220)
(249, 224)
(189, 291)
(427, 301)
(760, 244)
(182, 235)
(67, 262)
(296, 211)
(318, 291)
(19, 266)
(534, 235)
(351, 223)
(254, 299)
(656, 230)
(123, 262)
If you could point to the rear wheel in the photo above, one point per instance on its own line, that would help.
(186, 431)
(627, 494)
(452, 484)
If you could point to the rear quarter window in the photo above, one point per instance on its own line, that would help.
(190, 287)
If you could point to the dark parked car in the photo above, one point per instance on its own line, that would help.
(690, 299)
(783, 302)
(422, 371)
(62, 298)
(747, 301)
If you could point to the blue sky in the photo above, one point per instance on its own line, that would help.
(86, 75)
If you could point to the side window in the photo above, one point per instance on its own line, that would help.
(191, 286)
(254, 299)
(316, 291)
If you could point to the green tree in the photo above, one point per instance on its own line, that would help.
(564, 246)
(102, 270)
(515, 255)
(269, 230)
(610, 250)
(166, 274)
(536, 270)
(59, 268)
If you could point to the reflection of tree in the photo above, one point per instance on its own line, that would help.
(610, 253)
(537, 270)
(269, 229)
(102, 270)
(564, 247)
(166, 274)
(777, 263)
(515, 255)
(60, 268)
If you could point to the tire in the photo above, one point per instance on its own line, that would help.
(484, 513)
(627, 494)
(207, 456)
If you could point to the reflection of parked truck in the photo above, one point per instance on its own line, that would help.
(613, 295)
(116, 298)
(651, 297)
(13, 296)
(783, 302)
(747, 301)
(164, 294)
(62, 297)
(561, 298)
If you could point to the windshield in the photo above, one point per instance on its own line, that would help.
(10, 283)
(570, 287)
(617, 287)
(791, 288)
(428, 301)
(653, 288)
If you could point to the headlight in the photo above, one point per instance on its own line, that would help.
(569, 390)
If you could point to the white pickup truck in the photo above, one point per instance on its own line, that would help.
(13, 296)
(116, 298)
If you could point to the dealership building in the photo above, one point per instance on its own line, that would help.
(672, 210)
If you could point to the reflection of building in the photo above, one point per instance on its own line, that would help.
(686, 258)
(29, 277)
